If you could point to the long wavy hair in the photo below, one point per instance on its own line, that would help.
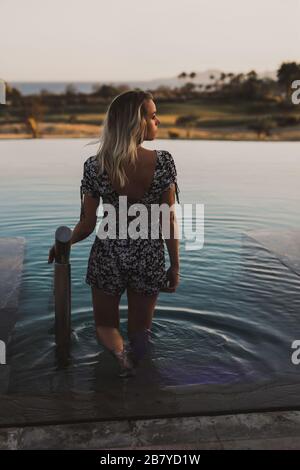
(124, 129)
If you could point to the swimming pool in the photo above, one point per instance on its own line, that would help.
(234, 316)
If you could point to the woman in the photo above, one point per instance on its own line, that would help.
(122, 167)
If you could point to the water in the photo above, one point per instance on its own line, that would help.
(31, 88)
(235, 314)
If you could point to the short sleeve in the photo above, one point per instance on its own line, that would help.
(169, 174)
(89, 184)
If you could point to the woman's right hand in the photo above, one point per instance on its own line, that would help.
(172, 280)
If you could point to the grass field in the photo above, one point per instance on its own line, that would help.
(227, 121)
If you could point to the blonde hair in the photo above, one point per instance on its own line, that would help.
(124, 128)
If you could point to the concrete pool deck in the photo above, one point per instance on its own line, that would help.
(11, 267)
(272, 430)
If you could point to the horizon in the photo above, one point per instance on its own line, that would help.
(146, 80)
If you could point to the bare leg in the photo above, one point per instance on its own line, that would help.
(107, 319)
(140, 313)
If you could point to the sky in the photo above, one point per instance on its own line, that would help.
(103, 40)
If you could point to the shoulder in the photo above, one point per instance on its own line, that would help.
(165, 155)
(167, 161)
(91, 161)
(168, 173)
(91, 165)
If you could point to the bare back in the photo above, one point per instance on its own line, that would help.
(140, 177)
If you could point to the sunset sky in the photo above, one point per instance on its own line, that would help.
(71, 40)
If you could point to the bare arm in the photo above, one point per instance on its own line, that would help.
(85, 226)
(88, 219)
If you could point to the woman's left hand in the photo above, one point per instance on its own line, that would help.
(51, 256)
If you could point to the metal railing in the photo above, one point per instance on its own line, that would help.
(62, 291)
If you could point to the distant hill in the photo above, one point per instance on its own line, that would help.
(200, 78)
(28, 88)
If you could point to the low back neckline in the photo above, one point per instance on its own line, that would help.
(149, 188)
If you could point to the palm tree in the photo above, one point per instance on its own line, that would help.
(252, 75)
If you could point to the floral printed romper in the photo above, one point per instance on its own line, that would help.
(115, 263)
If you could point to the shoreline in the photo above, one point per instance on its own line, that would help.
(63, 131)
